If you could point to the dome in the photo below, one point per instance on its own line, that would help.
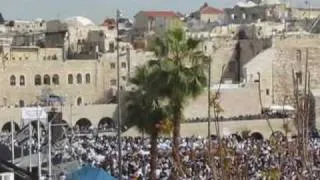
(79, 20)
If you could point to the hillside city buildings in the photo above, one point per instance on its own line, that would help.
(76, 58)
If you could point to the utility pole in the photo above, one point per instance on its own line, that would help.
(119, 100)
(49, 149)
(12, 141)
(39, 142)
(30, 146)
(209, 111)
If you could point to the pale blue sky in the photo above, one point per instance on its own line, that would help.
(97, 10)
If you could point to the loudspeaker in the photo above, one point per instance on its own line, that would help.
(57, 126)
(54, 117)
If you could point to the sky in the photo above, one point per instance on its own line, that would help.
(97, 10)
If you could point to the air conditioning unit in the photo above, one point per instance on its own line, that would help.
(6, 176)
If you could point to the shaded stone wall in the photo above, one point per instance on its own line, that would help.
(233, 54)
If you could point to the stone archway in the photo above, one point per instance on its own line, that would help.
(7, 127)
(106, 124)
(83, 124)
(256, 136)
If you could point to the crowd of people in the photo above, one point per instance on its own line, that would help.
(248, 158)
(273, 115)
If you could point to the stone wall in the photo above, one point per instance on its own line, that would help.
(277, 63)
(233, 55)
(234, 101)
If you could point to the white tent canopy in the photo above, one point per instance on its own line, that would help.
(281, 108)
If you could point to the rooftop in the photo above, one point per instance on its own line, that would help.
(160, 13)
(211, 10)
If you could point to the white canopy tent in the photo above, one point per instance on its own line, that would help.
(281, 108)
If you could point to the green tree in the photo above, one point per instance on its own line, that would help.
(178, 74)
(146, 112)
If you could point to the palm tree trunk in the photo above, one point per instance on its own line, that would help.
(154, 155)
(175, 148)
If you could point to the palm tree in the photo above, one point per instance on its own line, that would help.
(145, 111)
(178, 75)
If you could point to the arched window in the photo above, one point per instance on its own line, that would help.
(298, 55)
(79, 78)
(37, 80)
(55, 79)
(22, 80)
(12, 80)
(46, 79)
(79, 101)
(54, 57)
(70, 79)
(88, 79)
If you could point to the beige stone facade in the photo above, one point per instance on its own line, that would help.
(87, 84)
(90, 80)
(279, 63)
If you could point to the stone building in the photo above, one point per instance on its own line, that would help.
(155, 21)
(305, 13)
(208, 14)
(23, 26)
(252, 13)
(276, 65)
(79, 37)
(26, 73)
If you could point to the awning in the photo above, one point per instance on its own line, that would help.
(281, 108)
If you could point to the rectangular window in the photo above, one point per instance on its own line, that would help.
(267, 92)
(123, 78)
(112, 65)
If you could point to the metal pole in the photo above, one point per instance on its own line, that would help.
(30, 147)
(72, 133)
(119, 101)
(209, 111)
(12, 142)
(49, 151)
(39, 143)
